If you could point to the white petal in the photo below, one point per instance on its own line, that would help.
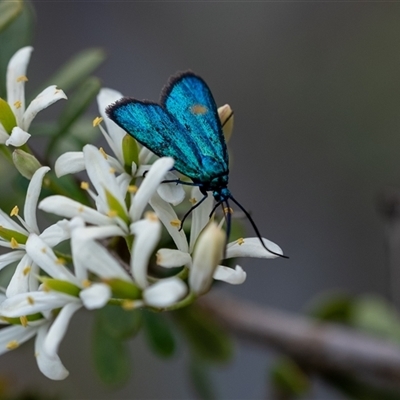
(15, 334)
(68, 208)
(95, 296)
(171, 192)
(49, 365)
(200, 215)
(44, 256)
(32, 197)
(70, 162)
(233, 276)
(147, 234)
(16, 71)
(44, 99)
(34, 302)
(149, 185)
(56, 233)
(145, 155)
(165, 292)
(7, 259)
(19, 282)
(170, 258)
(167, 214)
(207, 255)
(18, 137)
(101, 175)
(8, 223)
(58, 329)
(3, 134)
(251, 247)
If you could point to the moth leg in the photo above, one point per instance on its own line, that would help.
(178, 181)
(192, 208)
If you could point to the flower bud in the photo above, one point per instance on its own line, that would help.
(226, 117)
(207, 255)
(7, 117)
(26, 163)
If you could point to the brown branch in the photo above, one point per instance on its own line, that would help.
(326, 347)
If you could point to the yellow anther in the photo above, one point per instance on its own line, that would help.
(24, 321)
(14, 244)
(84, 185)
(61, 261)
(22, 78)
(45, 288)
(193, 201)
(103, 153)
(151, 216)
(112, 170)
(228, 210)
(128, 305)
(81, 209)
(18, 104)
(112, 213)
(86, 283)
(14, 211)
(158, 258)
(31, 300)
(240, 241)
(132, 189)
(176, 223)
(97, 121)
(12, 345)
(43, 250)
(26, 270)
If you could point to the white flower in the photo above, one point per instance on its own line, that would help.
(15, 236)
(18, 118)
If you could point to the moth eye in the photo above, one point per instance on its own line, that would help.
(198, 109)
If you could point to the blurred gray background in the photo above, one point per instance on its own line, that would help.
(316, 92)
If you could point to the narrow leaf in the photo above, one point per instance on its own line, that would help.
(201, 380)
(9, 10)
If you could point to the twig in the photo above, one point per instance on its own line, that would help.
(326, 347)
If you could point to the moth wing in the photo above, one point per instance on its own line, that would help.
(189, 100)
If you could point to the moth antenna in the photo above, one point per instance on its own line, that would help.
(253, 224)
(230, 116)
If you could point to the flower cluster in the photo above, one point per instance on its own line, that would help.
(128, 208)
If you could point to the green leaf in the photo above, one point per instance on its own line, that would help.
(375, 315)
(62, 286)
(159, 334)
(7, 117)
(119, 323)
(76, 70)
(9, 10)
(289, 379)
(9, 234)
(18, 33)
(200, 378)
(207, 338)
(111, 357)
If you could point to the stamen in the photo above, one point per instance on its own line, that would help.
(228, 210)
(193, 201)
(240, 241)
(84, 185)
(128, 305)
(103, 153)
(86, 283)
(14, 244)
(12, 345)
(23, 320)
(22, 78)
(43, 250)
(26, 270)
(61, 261)
(31, 300)
(14, 211)
(81, 209)
(132, 189)
(151, 216)
(18, 104)
(176, 223)
(97, 121)
(112, 170)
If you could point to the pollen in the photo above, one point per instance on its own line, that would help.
(84, 185)
(128, 305)
(103, 153)
(97, 121)
(13, 344)
(26, 270)
(86, 283)
(18, 104)
(198, 109)
(22, 78)
(14, 244)
(151, 216)
(176, 223)
(24, 321)
(14, 211)
(132, 189)
(81, 209)
(240, 241)
(30, 300)
(193, 201)
(228, 210)
(112, 213)
(61, 261)
(112, 170)
(43, 250)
